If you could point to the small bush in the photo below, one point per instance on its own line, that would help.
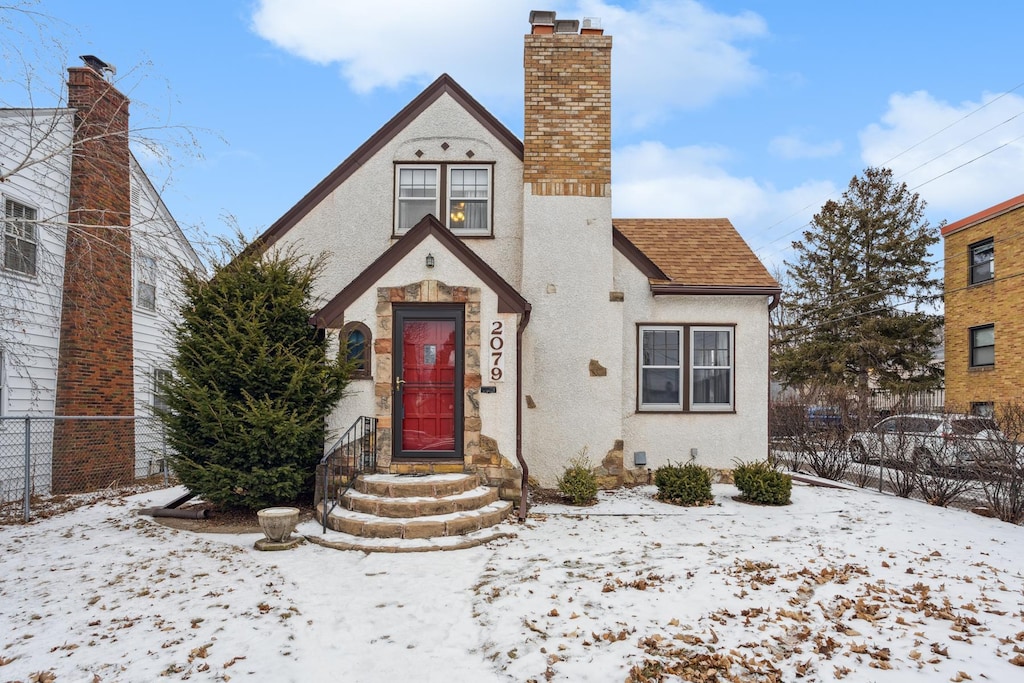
(759, 482)
(578, 482)
(688, 484)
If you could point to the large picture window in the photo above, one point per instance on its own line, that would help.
(20, 238)
(458, 195)
(685, 368)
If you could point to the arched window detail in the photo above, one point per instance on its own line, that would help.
(355, 340)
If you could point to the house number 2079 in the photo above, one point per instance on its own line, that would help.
(497, 351)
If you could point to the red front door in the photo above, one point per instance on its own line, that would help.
(428, 382)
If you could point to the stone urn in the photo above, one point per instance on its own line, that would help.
(278, 525)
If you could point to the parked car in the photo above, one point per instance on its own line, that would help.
(932, 442)
(824, 417)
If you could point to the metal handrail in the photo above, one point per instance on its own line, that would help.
(352, 455)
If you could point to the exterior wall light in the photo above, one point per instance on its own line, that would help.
(430, 260)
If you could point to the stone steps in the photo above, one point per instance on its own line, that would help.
(439, 511)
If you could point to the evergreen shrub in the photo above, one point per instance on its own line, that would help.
(759, 482)
(578, 482)
(688, 484)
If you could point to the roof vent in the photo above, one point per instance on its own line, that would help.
(98, 65)
(567, 25)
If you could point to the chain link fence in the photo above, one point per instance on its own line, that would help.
(46, 461)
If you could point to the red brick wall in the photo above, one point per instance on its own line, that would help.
(95, 361)
(567, 136)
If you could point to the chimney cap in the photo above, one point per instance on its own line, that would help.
(98, 65)
(542, 17)
(567, 25)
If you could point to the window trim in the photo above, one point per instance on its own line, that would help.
(26, 222)
(343, 334)
(972, 266)
(443, 200)
(972, 347)
(158, 396)
(686, 406)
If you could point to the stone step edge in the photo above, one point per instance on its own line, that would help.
(400, 521)
(420, 506)
(401, 486)
(411, 545)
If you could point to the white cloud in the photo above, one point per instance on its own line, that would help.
(795, 147)
(961, 159)
(655, 181)
(667, 55)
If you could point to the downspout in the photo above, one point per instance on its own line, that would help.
(524, 503)
(772, 305)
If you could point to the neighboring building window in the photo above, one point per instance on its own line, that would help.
(711, 378)
(460, 193)
(355, 344)
(145, 281)
(983, 265)
(665, 368)
(983, 346)
(469, 207)
(20, 238)
(983, 409)
(160, 380)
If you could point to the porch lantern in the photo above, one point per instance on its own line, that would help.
(430, 260)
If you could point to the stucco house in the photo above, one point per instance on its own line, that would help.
(504, 320)
(88, 277)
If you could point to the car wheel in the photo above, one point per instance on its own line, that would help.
(857, 452)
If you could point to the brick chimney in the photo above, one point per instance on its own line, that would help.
(568, 105)
(95, 360)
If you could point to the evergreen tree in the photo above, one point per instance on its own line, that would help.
(252, 382)
(861, 293)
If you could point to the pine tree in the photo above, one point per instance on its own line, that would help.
(252, 382)
(862, 292)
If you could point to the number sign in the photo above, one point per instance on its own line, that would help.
(496, 352)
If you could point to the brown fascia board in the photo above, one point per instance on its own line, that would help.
(509, 300)
(711, 290)
(443, 84)
(638, 258)
(983, 215)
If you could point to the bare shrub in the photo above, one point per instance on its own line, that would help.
(1000, 469)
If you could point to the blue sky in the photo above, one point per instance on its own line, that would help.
(756, 110)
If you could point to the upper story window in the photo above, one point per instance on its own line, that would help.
(20, 238)
(459, 195)
(983, 346)
(145, 281)
(685, 368)
(983, 264)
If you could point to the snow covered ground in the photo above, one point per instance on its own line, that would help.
(842, 585)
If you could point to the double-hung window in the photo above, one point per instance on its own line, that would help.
(161, 378)
(983, 264)
(20, 238)
(983, 346)
(145, 281)
(685, 368)
(459, 195)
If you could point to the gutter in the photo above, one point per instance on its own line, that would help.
(524, 503)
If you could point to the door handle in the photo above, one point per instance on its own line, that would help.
(398, 383)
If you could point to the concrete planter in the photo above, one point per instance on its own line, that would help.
(278, 525)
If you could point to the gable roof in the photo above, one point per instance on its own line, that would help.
(984, 215)
(445, 84)
(693, 256)
(509, 300)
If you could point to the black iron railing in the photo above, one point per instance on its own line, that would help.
(354, 453)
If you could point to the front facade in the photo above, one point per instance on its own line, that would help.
(88, 275)
(985, 308)
(504, 321)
